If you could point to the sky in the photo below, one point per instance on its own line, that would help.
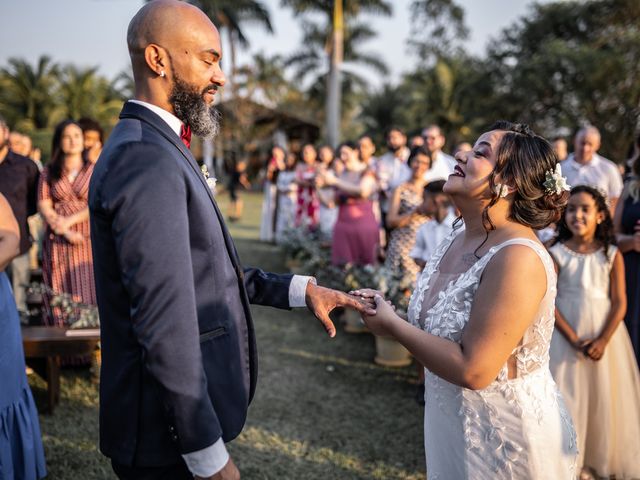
(92, 32)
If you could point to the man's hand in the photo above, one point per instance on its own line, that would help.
(321, 301)
(228, 472)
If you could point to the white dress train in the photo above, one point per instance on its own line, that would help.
(515, 428)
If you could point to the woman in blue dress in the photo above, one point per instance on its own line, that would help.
(21, 452)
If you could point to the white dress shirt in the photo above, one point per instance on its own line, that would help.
(210, 460)
(430, 235)
(599, 172)
(441, 168)
(392, 171)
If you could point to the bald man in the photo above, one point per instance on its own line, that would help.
(585, 167)
(179, 361)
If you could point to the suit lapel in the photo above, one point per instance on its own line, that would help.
(133, 110)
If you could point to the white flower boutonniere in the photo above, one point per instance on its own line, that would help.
(555, 183)
(211, 181)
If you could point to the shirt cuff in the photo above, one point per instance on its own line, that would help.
(298, 290)
(208, 461)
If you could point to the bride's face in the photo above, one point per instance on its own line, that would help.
(473, 168)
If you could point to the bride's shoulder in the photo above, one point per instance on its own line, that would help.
(521, 261)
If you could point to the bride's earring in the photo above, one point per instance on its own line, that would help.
(501, 190)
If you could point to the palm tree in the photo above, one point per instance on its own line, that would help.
(231, 15)
(310, 65)
(84, 93)
(263, 80)
(27, 92)
(335, 12)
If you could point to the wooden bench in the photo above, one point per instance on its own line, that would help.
(43, 347)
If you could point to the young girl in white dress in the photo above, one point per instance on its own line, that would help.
(592, 359)
(482, 317)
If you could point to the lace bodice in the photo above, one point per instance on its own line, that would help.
(448, 310)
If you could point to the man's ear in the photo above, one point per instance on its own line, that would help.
(156, 59)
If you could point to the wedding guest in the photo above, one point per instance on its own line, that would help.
(237, 179)
(627, 228)
(367, 149)
(326, 156)
(355, 234)
(416, 141)
(405, 218)
(463, 147)
(275, 165)
(443, 164)
(482, 317)
(287, 197)
(432, 233)
(561, 148)
(585, 167)
(328, 213)
(392, 169)
(21, 452)
(308, 206)
(93, 138)
(67, 265)
(591, 357)
(19, 184)
(18, 144)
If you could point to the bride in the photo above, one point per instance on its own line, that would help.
(482, 315)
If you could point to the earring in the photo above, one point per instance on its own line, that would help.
(162, 74)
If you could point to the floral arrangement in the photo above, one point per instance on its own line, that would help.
(307, 253)
(76, 314)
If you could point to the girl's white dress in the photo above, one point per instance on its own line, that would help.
(515, 428)
(604, 396)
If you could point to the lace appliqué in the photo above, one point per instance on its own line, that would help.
(485, 431)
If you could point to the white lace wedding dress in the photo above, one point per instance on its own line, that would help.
(516, 428)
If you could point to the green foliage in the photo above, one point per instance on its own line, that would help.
(571, 63)
(438, 28)
(27, 92)
(564, 65)
(33, 98)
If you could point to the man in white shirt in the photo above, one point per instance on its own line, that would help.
(432, 233)
(179, 358)
(392, 169)
(585, 167)
(442, 164)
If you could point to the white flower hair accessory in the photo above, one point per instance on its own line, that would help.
(555, 183)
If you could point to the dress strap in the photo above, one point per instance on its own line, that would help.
(536, 247)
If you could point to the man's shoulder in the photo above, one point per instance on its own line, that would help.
(20, 161)
(607, 165)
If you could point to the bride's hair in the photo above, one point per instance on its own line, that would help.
(522, 161)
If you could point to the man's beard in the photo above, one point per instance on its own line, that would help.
(190, 107)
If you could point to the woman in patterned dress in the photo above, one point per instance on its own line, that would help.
(308, 204)
(404, 216)
(63, 191)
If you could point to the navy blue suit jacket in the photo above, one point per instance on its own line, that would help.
(179, 359)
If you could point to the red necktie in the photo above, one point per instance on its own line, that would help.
(185, 135)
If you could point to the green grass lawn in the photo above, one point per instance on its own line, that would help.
(323, 409)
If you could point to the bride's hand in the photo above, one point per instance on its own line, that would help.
(385, 316)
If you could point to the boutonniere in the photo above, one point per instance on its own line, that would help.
(211, 181)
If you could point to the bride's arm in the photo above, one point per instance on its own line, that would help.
(505, 305)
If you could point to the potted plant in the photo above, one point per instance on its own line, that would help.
(396, 288)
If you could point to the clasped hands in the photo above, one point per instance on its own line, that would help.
(61, 225)
(592, 348)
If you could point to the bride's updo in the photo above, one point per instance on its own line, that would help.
(522, 162)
